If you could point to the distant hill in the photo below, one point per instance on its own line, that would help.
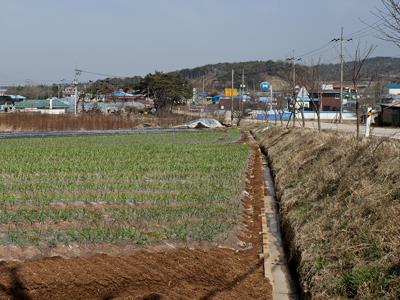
(218, 76)
(386, 68)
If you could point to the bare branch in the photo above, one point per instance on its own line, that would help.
(360, 58)
(389, 18)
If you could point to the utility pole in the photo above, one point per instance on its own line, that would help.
(77, 73)
(76, 96)
(341, 40)
(60, 84)
(242, 88)
(233, 75)
(254, 89)
(294, 89)
(341, 76)
(204, 96)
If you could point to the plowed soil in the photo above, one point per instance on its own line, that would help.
(180, 273)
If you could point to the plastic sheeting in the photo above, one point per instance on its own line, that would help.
(204, 123)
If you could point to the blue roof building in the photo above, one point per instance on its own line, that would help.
(121, 94)
(45, 106)
(392, 89)
(393, 86)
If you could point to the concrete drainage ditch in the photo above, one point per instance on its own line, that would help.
(275, 263)
(276, 267)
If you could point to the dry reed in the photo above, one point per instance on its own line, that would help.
(88, 121)
(340, 206)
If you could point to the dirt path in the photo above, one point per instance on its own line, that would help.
(181, 273)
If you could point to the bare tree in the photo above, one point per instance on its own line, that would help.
(81, 100)
(311, 80)
(239, 112)
(315, 89)
(281, 104)
(303, 121)
(290, 91)
(359, 60)
(282, 98)
(390, 19)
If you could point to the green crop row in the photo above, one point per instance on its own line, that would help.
(157, 214)
(187, 183)
(206, 231)
(115, 197)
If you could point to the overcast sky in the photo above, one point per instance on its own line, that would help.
(44, 40)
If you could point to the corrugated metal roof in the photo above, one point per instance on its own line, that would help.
(121, 94)
(394, 104)
(41, 104)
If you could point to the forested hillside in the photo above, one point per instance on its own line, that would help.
(218, 76)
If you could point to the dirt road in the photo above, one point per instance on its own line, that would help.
(349, 128)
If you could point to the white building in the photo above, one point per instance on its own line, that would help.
(392, 89)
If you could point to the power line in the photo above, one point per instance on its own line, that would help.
(94, 73)
(366, 34)
(369, 28)
(37, 81)
(336, 49)
(356, 35)
(366, 29)
(318, 54)
(319, 49)
(374, 26)
(348, 53)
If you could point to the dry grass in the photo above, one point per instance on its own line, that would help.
(340, 206)
(93, 121)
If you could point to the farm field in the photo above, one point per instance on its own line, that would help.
(137, 189)
(146, 216)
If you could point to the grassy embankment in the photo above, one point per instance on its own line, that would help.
(133, 188)
(340, 208)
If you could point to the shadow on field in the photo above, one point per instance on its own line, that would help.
(152, 296)
(233, 283)
(17, 290)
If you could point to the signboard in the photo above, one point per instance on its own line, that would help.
(327, 87)
(265, 86)
(228, 92)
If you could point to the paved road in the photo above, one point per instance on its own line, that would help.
(351, 128)
(21, 134)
